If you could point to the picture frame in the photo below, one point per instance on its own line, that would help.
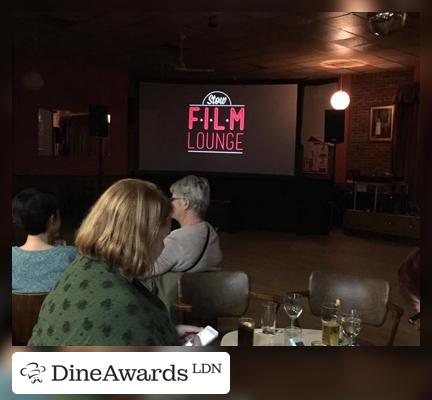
(381, 123)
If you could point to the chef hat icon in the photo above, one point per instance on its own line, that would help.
(33, 371)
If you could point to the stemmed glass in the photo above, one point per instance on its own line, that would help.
(351, 325)
(293, 306)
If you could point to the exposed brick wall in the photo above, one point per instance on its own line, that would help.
(369, 90)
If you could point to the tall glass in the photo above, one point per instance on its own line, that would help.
(330, 314)
(351, 325)
(245, 332)
(293, 306)
(268, 318)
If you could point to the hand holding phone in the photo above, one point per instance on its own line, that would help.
(206, 336)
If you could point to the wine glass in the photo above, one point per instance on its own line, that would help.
(351, 325)
(293, 306)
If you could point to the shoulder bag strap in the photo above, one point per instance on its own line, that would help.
(202, 252)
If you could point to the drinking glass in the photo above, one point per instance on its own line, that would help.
(292, 335)
(293, 306)
(330, 324)
(268, 319)
(246, 327)
(351, 325)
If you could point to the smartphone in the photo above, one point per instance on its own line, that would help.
(206, 335)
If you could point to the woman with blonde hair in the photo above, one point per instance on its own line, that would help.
(97, 300)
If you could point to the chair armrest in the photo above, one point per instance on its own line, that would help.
(397, 313)
(182, 307)
(274, 297)
(267, 296)
(304, 293)
(395, 309)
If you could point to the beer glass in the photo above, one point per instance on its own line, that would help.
(330, 324)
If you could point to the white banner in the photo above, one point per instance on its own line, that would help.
(120, 372)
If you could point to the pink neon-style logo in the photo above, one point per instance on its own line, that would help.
(216, 125)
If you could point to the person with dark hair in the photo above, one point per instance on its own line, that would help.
(37, 264)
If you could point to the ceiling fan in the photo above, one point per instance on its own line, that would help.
(181, 66)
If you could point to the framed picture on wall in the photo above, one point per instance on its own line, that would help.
(381, 123)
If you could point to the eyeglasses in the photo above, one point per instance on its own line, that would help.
(177, 198)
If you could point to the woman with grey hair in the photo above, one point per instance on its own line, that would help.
(194, 247)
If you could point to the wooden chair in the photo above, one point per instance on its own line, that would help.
(25, 312)
(369, 295)
(206, 297)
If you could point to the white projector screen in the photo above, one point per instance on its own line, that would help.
(217, 128)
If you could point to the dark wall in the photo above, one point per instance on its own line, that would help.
(68, 85)
(285, 204)
(271, 203)
(5, 177)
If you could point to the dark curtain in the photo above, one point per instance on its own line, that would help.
(406, 143)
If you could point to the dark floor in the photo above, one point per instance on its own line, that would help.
(282, 262)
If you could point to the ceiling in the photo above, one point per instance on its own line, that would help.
(221, 46)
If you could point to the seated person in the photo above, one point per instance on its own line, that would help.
(194, 247)
(97, 300)
(37, 264)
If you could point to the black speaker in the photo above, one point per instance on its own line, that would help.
(334, 126)
(98, 120)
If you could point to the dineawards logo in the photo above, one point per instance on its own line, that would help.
(33, 371)
(120, 372)
(72, 373)
(216, 125)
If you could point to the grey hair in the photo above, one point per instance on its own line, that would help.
(196, 189)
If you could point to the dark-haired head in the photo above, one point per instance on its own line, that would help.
(35, 211)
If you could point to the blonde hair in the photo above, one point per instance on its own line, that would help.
(123, 225)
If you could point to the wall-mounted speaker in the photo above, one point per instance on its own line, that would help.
(98, 120)
(334, 126)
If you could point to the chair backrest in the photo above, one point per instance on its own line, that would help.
(369, 295)
(25, 312)
(215, 294)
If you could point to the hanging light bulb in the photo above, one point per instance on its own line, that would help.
(340, 100)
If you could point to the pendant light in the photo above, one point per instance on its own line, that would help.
(340, 99)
